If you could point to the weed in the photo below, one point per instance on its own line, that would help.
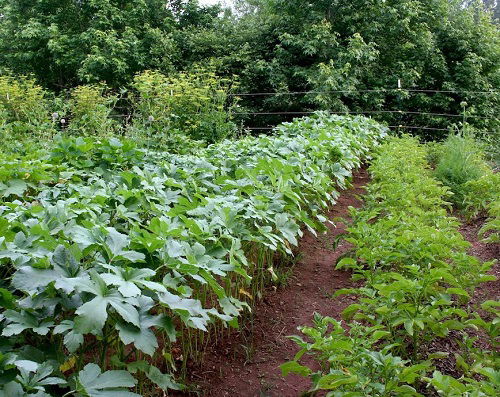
(461, 161)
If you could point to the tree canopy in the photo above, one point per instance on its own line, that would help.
(285, 46)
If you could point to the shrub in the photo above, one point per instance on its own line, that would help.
(461, 161)
(90, 108)
(23, 105)
(195, 103)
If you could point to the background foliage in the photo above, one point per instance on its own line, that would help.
(277, 46)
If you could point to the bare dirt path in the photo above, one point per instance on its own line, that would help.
(485, 252)
(238, 367)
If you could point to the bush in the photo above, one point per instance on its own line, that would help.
(461, 161)
(90, 108)
(195, 103)
(23, 105)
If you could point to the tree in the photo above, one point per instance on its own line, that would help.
(353, 45)
(68, 42)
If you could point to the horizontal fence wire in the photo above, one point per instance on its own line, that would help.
(416, 127)
(300, 113)
(364, 112)
(374, 90)
(381, 90)
(368, 112)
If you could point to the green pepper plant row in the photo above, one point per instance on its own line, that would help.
(418, 280)
(110, 254)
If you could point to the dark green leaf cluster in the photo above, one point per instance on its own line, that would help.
(349, 53)
(68, 42)
(338, 49)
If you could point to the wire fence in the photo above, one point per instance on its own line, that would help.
(305, 113)
(376, 90)
(398, 127)
(126, 117)
(369, 112)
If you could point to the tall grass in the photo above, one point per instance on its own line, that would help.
(461, 160)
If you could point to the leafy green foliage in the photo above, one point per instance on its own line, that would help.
(476, 186)
(491, 228)
(351, 361)
(481, 193)
(277, 46)
(71, 42)
(354, 47)
(449, 386)
(24, 108)
(195, 103)
(418, 278)
(461, 161)
(108, 249)
(90, 109)
(92, 383)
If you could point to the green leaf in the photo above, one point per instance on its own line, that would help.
(295, 368)
(72, 339)
(190, 310)
(346, 263)
(174, 249)
(334, 381)
(128, 279)
(92, 383)
(20, 321)
(379, 334)
(142, 337)
(27, 365)
(457, 291)
(349, 311)
(438, 355)
(288, 228)
(408, 324)
(15, 187)
(92, 315)
(66, 274)
(83, 237)
(39, 378)
(116, 242)
(7, 300)
(13, 389)
(163, 381)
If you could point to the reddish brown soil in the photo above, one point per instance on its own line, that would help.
(485, 252)
(247, 363)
